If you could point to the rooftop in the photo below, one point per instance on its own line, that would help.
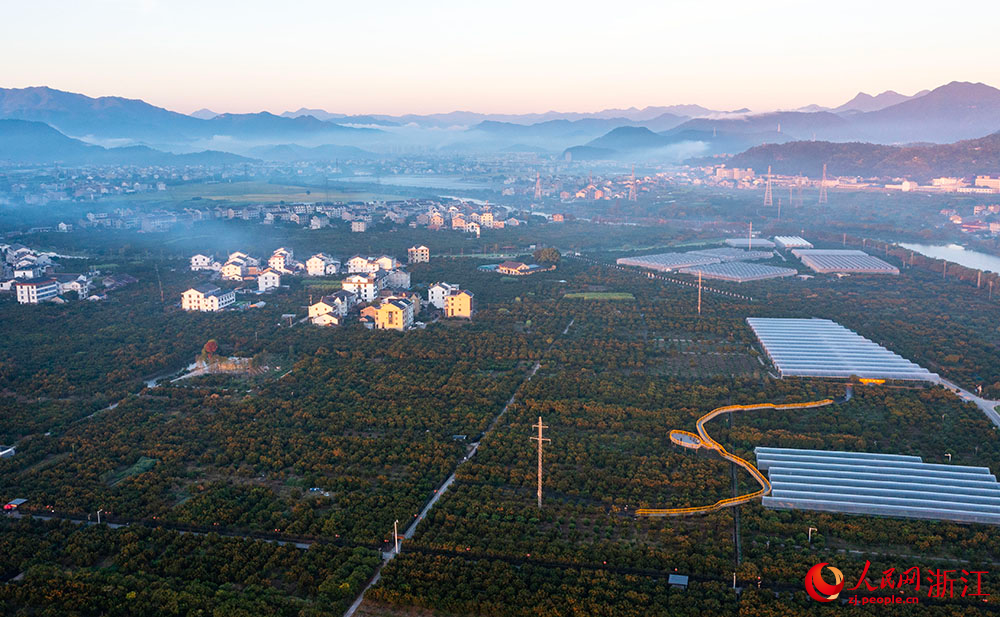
(739, 272)
(823, 348)
(878, 484)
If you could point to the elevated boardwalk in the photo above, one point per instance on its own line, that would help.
(704, 440)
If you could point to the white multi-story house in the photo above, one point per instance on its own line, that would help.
(78, 283)
(35, 290)
(268, 279)
(438, 293)
(27, 271)
(359, 226)
(234, 270)
(418, 254)
(335, 306)
(201, 262)
(282, 261)
(397, 279)
(365, 286)
(207, 298)
(386, 263)
(241, 256)
(322, 264)
(361, 264)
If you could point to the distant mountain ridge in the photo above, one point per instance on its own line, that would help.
(865, 102)
(26, 141)
(112, 117)
(952, 112)
(916, 162)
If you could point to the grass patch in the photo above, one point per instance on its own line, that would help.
(142, 465)
(600, 295)
(319, 283)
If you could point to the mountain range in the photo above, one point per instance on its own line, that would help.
(26, 141)
(952, 112)
(111, 118)
(916, 162)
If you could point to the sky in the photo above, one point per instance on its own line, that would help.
(516, 56)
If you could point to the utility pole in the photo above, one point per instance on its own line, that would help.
(979, 279)
(540, 441)
(699, 292)
(750, 237)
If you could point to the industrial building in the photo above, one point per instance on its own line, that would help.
(739, 272)
(665, 262)
(828, 261)
(823, 348)
(792, 242)
(750, 243)
(878, 484)
(733, 254)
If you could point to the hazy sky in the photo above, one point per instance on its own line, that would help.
(392, 56)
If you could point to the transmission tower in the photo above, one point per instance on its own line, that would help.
(538, 185)
(767, 189)
(822, 187)
(631, 189)
(540, 441)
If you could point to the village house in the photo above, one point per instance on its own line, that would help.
(203, 262)
(268, 279)
(438, 292)
(78, 283)
(459, 303)
(366, 286)
(397, 279)
(337, 305)
(517, 268)
(394, 314)
(322, 264)
(35, 290)
(207, 298)
(282, 261)
(418, 254)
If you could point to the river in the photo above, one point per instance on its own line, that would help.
(958, 254)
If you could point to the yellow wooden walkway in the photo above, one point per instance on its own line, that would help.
(704, 440)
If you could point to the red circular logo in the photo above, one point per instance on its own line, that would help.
(818, 589)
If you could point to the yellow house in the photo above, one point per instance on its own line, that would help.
(395, 314)
(459, 304)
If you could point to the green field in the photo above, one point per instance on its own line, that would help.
(321, 283)
(600, 295)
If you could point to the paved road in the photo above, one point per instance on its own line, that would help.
(988, 406)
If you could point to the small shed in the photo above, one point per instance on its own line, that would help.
(678, 581)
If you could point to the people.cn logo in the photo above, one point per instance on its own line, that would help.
(818, 589)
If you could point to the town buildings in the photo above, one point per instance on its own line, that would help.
(35, 290)
(207, 298)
